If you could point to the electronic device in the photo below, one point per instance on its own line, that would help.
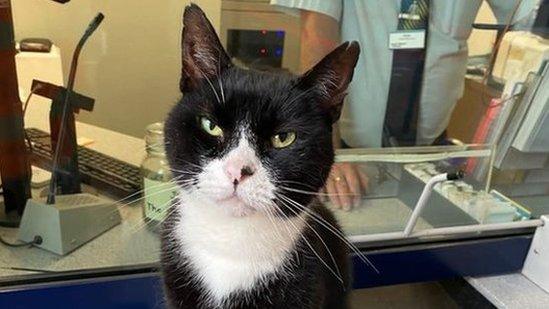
(63, 129)
(106, 173)
(65, 222)
(259, 49)
(72, 221)
(15, 169)
(37, 45)
(481, 206)
(259, 35)
(14, 162)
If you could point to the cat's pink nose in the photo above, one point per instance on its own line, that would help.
(237, 171)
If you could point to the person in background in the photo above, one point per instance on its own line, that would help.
(448, 24)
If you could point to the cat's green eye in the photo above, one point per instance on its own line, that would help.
(282, 140)
(210, 127)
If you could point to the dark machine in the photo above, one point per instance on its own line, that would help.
(14, 159)
(15, 168)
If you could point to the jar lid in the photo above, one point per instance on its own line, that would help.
(154, 137)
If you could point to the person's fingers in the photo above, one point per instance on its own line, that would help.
(343, 192)
(332, 193)
(364, 181)
(353, 183)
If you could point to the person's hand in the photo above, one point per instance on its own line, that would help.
(345, 185)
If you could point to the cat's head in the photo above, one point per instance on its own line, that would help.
(250, 141)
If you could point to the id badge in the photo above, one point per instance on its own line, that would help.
(407, 39)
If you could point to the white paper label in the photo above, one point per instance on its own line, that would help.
(413, 39)
(159, 197)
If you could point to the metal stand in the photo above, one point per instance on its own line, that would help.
(67, 172)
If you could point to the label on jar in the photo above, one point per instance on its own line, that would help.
(159, 197)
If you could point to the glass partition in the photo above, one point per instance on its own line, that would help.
(398, 177)
(462, 87)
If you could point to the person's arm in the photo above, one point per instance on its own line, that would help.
(319, 36)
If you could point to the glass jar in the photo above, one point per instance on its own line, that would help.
(158, 189)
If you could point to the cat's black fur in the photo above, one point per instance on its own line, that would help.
(268, 103)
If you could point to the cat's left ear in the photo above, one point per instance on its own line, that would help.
(203, 56)
(331, 77)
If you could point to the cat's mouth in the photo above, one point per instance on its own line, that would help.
(230, 199)
(236, 206)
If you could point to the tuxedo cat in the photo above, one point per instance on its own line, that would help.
(249, 150)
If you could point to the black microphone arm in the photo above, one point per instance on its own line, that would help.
(66, 108)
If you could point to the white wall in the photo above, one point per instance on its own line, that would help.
(130, 66)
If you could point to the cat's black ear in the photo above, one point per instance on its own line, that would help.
(203, 56)
(331, 76)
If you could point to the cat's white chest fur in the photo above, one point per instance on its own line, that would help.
(233, 253)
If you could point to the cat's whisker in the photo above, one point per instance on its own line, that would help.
(337, 275)
(222, 91)
(297, 183)
(129, 200)
(299, 96)
(187, 172)
(315, 193)
(140, 192)
(164, 187)
(268, 210)
(211, 85)
(219, 77)
(317, 234)
(179, 160)
(169, 211)
(332, 229)
(136, 228)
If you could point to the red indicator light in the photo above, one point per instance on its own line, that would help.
(263, 51)
(263, 32)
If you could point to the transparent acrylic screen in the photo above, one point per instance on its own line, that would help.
(485, 116)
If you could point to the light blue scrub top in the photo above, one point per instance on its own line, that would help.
(370, 22)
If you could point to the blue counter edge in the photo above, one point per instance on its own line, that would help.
(414, 263)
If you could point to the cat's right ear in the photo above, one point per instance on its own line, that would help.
(203, 56)
(331, 77)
